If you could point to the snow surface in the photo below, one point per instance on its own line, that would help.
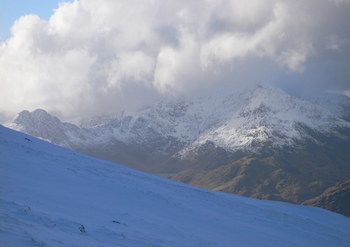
(47, 193)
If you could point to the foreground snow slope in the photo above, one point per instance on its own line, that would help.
(47, 193)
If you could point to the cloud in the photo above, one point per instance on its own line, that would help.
(101, 56)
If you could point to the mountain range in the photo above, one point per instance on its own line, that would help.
(52, 196)
(262, 143)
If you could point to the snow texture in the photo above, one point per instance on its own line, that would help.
(51, 196)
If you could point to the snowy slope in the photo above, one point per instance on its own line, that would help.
(47, 193)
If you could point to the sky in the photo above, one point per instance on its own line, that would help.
(90, 57)
(11, 10)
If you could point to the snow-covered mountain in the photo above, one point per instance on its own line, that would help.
(51, 196)
(217, 134)
(245, 121)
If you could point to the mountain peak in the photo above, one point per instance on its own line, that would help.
(41, 124)
(26, 117)
(40, 112)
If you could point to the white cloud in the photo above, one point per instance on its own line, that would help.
(98, 56)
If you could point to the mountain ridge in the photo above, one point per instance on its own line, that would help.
(229, 122)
